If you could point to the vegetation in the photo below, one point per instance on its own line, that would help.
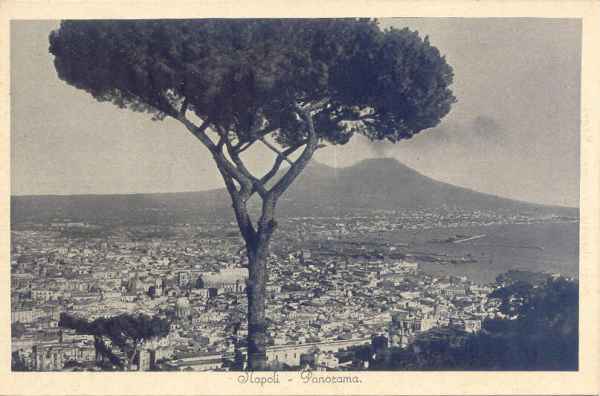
(126, 332)
(544, 336)
(290, 85)
(514, 276)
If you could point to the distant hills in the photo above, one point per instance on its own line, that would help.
(375, 184)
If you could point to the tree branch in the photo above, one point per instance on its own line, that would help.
(257, 135)
(216, 150)
(239, 149)
(274, 149)
(279, 160)
(254, 184)
(198, 132)
(184, 107)
(315, 105)
(238, 201)
(301, 162)
(229, 184)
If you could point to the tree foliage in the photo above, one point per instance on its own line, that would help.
(125, 331)
(544, 336)
(119, 328)
(247, 76)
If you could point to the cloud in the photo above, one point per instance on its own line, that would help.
(480, 133)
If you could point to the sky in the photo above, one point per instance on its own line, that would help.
(514, 131)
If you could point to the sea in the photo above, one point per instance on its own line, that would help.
(541, 247)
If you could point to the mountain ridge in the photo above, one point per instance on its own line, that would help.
(371, 184)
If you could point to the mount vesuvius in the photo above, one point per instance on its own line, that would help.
(374, 184)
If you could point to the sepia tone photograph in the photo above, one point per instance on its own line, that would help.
(324, 197)
(411, 219)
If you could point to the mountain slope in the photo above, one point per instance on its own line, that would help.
(320, 190)
(388, 184)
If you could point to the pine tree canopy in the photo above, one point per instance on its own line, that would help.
(247, 78)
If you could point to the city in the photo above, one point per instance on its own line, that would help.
(328, 288)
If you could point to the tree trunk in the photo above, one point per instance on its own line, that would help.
(98, 354)
(256, 291)
(257, 241)
(134, 353)
(258, 252)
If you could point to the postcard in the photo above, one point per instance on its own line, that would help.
(300, 198)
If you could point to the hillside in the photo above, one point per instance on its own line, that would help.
(388, 184)
(376, 184)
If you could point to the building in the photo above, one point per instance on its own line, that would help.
(230, 280)
(404, 324)
(183, 279)
(306, 257)
(183, 309)
(148, 357)
(199, 362)
(25, 315)
(290, 354)
(136, 286)
(472, 325)
(455, 291)
(158, 289)
(409, 267)
(52, 357)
